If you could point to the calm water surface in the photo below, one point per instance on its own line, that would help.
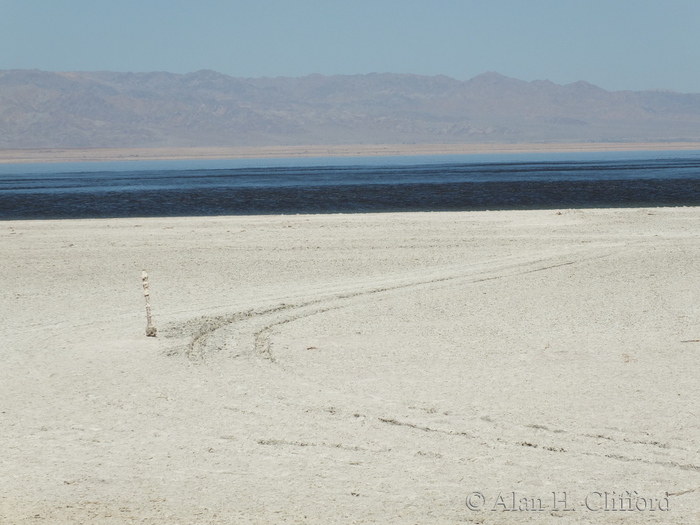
(344, 185)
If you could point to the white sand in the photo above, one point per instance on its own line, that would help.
(365, 369)
(13, 156)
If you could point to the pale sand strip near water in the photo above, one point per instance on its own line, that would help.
(367, 368)
(356, 150)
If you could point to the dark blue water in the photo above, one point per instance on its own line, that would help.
(333, 185)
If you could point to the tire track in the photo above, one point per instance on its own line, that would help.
(251, 329)
(565, 442)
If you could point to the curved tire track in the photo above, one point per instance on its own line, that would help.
(251, 329)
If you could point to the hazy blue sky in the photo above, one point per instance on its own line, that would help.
(616, 44)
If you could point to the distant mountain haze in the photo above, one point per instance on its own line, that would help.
(41, 109)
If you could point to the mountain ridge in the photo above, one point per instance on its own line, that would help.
(40, 109)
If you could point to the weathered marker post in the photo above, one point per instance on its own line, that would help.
(150, 329)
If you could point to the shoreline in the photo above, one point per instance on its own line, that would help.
(49, 155)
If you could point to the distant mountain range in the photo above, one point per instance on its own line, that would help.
(41, 109)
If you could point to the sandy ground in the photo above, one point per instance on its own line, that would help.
(376, 368)
(8, 156)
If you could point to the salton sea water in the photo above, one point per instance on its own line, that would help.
(348, 185)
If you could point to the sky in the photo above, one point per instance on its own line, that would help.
(614, 44)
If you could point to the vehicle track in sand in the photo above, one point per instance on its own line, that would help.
(250, 329)
(248, 333)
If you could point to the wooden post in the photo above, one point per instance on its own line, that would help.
(150, 329)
